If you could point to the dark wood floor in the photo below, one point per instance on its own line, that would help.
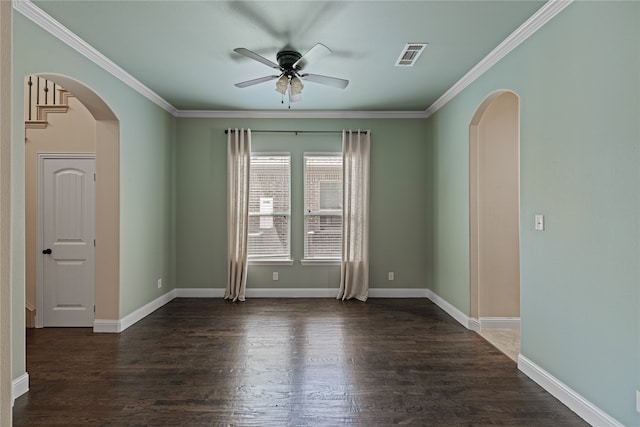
(281, 362)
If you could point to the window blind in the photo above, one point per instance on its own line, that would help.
(269, 206)
(322, 206)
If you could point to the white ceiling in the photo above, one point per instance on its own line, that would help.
(183, 50)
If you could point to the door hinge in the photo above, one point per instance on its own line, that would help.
(94, 176)
(94, 308)
(94, 243)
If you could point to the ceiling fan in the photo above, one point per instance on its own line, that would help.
(291, 64)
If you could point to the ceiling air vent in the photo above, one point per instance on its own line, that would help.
(410, 54)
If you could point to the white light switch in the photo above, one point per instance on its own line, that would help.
(638, 400)
(539, 222)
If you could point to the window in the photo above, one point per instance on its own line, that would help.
(269, 207)
(322, 206)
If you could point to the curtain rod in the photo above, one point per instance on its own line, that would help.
(296, 131)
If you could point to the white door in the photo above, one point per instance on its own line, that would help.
(68, 246)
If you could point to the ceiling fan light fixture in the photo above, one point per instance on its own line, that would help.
(282, 84)
(291, 63)
(296, 86)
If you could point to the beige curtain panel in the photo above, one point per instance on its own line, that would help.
(354, 277)
(238, 161)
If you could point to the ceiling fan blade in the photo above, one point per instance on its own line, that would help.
(325, 80)
(256, 81)
(315, 53)
(256, 57)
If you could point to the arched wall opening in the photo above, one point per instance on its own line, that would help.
(107, 230)
(494, 211)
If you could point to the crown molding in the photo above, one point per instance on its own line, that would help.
(549, 10)
(55, 28)
(300, 114)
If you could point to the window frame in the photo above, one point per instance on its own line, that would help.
(271, 259)
(328, 213)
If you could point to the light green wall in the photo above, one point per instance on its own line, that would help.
(398, 204)
(578, 80)
(146, 196)
(448, 215)
(146, 175)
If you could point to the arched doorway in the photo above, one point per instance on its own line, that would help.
(494, 212)
(107, 191)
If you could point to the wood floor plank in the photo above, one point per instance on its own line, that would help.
(281, 362)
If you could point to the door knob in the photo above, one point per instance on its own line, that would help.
(47, 251)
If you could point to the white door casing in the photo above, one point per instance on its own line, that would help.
(66, 227)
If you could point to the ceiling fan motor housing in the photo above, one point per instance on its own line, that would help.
(286, 59)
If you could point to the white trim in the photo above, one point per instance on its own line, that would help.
(101, 326)
(117, 326)
(292, 293)
(397, 293)
(499, 323)
(299, 293)
(549, 10)
(270, 261)
(574, 401)
(19, 386)
(260, 293)
(300, 114)
(200, 293)
(578, 404)
(320, 262)
(55, 28)
(473, 323)
(452, 311)
(146, 309)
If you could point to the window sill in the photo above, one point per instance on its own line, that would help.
(270, 262)
(320, 262)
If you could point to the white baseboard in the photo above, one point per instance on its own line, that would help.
(300, 293)
(397, 293)
(292, 293)
(459, 316)
(474, 324)
(117, 326)
(499, 323)
(578, 404)
(19, 386)
(107, 326)
(200, 293)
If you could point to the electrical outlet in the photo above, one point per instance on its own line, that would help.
(392, 276)
(275, 275)
(159, 283)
